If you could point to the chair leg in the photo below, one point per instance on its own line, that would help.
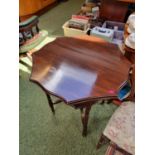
(103, 140)
(116, 148)
(113, 148)
(50, 102)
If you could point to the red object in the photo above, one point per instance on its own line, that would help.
(79, 17)
(111, 91)
(117, 102)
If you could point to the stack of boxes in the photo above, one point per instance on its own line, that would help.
(77, 25)
(87, 21)
(80, 24)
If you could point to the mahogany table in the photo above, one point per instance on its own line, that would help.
(80, 71)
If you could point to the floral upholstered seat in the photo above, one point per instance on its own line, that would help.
(121, 127)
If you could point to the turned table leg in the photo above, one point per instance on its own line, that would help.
(50, 103)
(84, 118)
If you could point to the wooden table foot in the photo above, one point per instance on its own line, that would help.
(84, 118)
(50, 102)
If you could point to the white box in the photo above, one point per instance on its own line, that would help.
(70, 32)
(103, 33)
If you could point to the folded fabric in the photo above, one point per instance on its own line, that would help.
(33, 42)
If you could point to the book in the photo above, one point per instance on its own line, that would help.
(78, 23)
(80, 17)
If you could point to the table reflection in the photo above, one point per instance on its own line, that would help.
(67, 80)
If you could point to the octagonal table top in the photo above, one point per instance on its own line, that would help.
(79, 69)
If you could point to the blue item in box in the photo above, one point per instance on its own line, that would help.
(103, 33)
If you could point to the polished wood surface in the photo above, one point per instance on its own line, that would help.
(30, 7)
(113, 10)
(127, 1)
(130, 54)
(80, 69)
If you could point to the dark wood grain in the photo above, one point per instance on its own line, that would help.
(79, 69)
(113, 10)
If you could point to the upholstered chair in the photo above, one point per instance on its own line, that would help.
(120, 131)
(31, 38)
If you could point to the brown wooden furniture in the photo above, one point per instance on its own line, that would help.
(130, 54)
(113, 10)
(26, 29)
(30, 36)
(28, 8)
(127, 1)
(26, 32)
(80, 71)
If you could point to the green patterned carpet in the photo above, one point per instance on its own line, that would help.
(42, 133)
(53, 20)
